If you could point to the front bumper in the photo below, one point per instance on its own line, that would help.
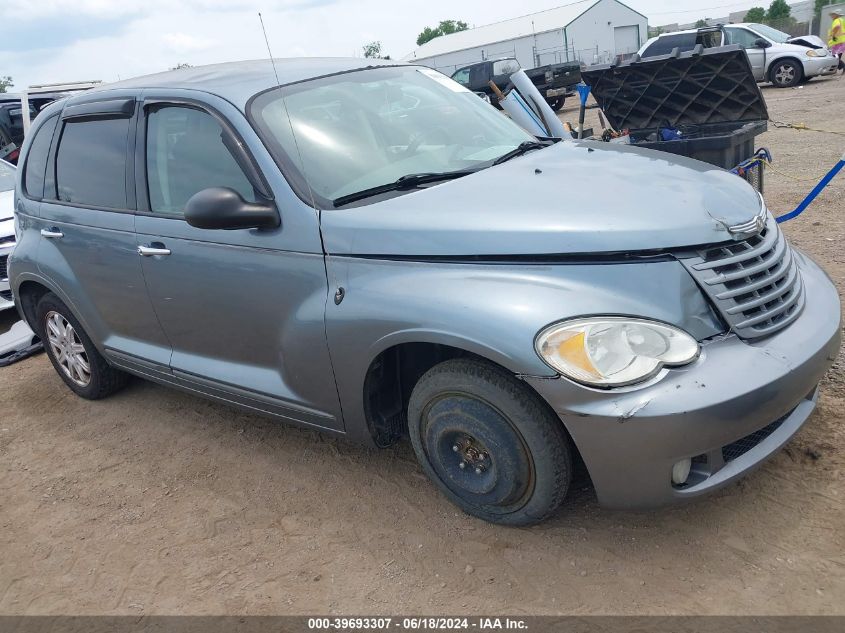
(758, 392)
(6, 299)
(815, 66)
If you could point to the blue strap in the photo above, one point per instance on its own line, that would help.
(814, 193)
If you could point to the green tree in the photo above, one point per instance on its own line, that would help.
(778, 10)
(755, 14)
(5, 82)
(701, 23)
(444, 28)
(819, 5)
(373, 50)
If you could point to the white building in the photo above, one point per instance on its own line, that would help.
(592, 31)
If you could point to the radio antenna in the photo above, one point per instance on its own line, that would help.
(269, 52)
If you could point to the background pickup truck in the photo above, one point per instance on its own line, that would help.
(554, 81)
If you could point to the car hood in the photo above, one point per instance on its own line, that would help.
(808, 41)
(573, 197)
(7, 207)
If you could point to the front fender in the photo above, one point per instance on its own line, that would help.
(493, 310)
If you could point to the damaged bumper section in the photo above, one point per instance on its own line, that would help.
(718, 418)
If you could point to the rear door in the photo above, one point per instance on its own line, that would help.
(244, 310)
(626, 39)
(88, 247)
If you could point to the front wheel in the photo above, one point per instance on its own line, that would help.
(489, 443)
(786, 73)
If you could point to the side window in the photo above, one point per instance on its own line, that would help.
(743, 37)
(709, 39)
(91, 162)
(186, 153)
(666, 44)
(36, 159)
(462, 76)
(505, 67)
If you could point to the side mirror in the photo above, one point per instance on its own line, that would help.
(224, 208)
(761, 43)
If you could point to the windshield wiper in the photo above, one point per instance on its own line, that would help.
(409, 181)
(522, 148)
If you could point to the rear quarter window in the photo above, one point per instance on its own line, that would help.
(36, 160)
(91, 162)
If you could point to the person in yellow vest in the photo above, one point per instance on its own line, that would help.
(836, 37)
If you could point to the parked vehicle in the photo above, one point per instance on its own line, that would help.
(7, 230)
(775, 56)
(554, 81)
(12, 129)
(375, 253)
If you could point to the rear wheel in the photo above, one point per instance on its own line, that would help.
(786, 73)
(72, 353)
(489, 443)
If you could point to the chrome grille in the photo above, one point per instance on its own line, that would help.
(754, 283)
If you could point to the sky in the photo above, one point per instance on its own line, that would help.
(49, 41)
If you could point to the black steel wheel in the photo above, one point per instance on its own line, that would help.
(489, 443)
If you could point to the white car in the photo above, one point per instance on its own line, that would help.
(7, 229)
(775, 56)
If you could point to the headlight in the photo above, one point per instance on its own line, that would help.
(614, 351)
(812, 53)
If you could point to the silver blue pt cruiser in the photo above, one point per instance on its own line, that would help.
(374, 252)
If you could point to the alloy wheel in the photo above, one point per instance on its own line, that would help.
(68, 349)
(785, 75)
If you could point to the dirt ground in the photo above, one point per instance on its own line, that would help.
(155, 502)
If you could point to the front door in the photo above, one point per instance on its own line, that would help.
(748, 40)
(244, 314)
(88, 246)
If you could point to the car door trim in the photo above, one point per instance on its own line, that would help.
(228, 391)
(108, 108)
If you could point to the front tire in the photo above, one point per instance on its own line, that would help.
(72, 353)
(786, 73)
(489, 443)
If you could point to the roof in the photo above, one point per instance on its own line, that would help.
(700, 29)
(238, 81)
(548, 20)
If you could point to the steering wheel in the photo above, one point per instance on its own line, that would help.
(427, 135)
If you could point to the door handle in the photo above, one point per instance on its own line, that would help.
(152, 251)
(52, 233)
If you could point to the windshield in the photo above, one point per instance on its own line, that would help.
(7, 176)
(350, 132)
(776, 36)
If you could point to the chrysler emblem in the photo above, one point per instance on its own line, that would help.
(755, 225)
